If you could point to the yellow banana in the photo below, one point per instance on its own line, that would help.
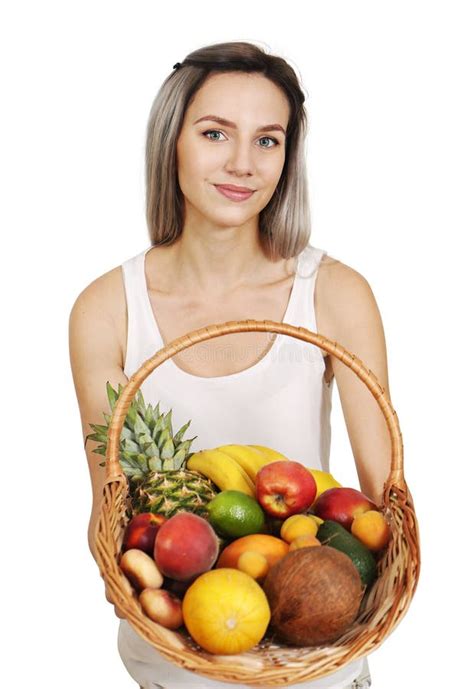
(250, 459)
(224, 471)
(324, 481)
(271, 455)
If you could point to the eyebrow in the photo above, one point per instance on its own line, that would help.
(228, 123)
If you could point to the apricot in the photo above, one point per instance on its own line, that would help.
(371, 529)
(304, 541)
(318, 521)
(298, 525)
(253, 563)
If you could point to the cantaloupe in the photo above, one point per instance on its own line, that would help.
(314, 595)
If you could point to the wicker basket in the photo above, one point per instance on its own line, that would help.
(268, 664)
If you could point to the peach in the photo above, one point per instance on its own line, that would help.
(140, 569)
(371, 529)
(185, 546)
(342, 505)
(162, 606)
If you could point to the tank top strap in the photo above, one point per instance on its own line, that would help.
(141, 330)
(302, 314)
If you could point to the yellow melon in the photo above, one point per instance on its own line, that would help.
(226, 611)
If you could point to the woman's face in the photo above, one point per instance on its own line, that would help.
(237, 152)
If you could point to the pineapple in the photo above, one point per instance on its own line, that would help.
(154, 461)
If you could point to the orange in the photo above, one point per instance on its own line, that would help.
(271, 547)
(371, 529)
(226, 611)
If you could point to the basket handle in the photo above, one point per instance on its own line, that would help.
(114, 470)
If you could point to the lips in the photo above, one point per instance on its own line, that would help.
(233, 187)
(234, 193)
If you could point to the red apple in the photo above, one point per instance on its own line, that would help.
(284, 488)
(141, 532)
(342, 505)
(186, 545)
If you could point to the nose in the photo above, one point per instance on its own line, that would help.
(240, 161)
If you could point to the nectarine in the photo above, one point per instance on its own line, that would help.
(186, 545)
(342, 505)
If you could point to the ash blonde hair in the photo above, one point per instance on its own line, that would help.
(284, 224)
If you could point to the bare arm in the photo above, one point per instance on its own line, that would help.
(96, 358)
(352, 318)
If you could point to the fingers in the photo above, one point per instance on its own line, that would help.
(118, 613)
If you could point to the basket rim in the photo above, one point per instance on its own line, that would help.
(113, 468)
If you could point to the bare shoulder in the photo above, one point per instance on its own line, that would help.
(342, 295)
(101, 305)
(333, 271)
(104, 291)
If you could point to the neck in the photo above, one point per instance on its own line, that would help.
(218, 260)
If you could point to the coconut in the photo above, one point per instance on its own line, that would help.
(314, 595)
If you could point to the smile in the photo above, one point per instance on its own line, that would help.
(234, 195)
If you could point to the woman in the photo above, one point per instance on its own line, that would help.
(229, 117)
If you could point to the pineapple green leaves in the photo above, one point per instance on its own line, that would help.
(147, 442)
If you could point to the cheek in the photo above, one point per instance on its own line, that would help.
(278, 165)
(271, 176)
(271, 167)
(198, 166)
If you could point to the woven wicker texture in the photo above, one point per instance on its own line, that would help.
(269, 664)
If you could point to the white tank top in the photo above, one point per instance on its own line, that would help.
(282, 401)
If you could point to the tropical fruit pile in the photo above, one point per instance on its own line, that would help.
(238, 541)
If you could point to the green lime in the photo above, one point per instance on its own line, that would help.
(235, 514)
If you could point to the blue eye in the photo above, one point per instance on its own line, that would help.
(211, 131)
(270, 138)
(217, 131)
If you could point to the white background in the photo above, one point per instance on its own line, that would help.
(390, 156)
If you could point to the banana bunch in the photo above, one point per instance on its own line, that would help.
(233, 467)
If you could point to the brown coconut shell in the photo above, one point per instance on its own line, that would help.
(314, 595)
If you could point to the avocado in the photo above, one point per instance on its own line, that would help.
(335, 535)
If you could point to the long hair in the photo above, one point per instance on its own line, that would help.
(284, 224)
